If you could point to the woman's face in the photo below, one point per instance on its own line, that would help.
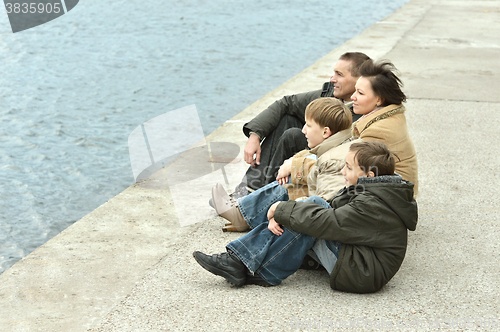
(364, 99)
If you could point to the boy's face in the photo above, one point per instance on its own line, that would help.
(315, 134)
(351, 170)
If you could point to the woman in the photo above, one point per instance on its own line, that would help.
(378, 98)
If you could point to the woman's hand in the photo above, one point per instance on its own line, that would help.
(284, 171)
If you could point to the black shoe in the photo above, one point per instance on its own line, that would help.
(310, 263)
(256, 280)
(224, 265)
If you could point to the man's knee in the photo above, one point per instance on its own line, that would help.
(293, 134)
(293, 139)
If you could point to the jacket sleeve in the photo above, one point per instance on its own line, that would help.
(301, 167)
(347, 224)
(329, 179)
(268, 120)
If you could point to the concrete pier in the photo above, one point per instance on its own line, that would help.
(128, 265)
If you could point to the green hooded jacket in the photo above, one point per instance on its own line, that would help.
(371, 221)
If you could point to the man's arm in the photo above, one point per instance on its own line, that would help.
(268, 119)
(252, 147)
(264, 123)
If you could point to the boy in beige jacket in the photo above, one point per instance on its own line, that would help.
(327, 129)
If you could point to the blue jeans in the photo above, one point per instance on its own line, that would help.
(326, 251)
(272, 257)
(254, 206)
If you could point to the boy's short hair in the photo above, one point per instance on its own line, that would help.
(374, 156)
(329, 112)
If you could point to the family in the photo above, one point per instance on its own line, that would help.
(331, 185)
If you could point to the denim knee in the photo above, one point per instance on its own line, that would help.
(318, 200)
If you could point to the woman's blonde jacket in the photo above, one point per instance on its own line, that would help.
(388, 125)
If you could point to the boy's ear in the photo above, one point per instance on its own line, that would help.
(327, 132)
(370, 174)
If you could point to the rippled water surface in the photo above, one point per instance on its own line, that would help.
(72, 90)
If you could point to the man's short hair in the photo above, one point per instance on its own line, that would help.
(356, 59)
(329, 112)
(374, 156)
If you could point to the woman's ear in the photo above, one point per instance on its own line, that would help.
(327, 132)
(380, 101)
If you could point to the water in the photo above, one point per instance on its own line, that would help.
(72, 90)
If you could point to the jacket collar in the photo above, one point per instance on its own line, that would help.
(396, 178)
(359, 126)
(331, 142)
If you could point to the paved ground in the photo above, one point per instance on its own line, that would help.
(127, 266)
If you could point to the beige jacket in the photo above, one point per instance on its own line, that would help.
(320, 177)
(388, 125)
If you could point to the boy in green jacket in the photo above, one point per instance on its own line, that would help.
(360, 236)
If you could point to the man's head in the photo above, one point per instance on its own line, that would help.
(325, 117)
(367, 159)
(346, 73)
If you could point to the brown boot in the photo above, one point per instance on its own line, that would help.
(226, 210)
(238, 223)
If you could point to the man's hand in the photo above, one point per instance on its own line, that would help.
(252, 148)
(284, 171)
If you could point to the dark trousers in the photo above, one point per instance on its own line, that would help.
(285, 141)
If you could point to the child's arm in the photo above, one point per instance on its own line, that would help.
(273, 225)
(301, 166)
(284, 171)
(340, 224)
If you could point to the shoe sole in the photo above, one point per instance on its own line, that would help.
(230, 278)
(231, 228)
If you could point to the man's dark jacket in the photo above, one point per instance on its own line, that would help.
(295, 105)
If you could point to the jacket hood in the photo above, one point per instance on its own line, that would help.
(396, 193)
(331, 142)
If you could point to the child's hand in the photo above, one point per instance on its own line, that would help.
(284, 171)
(270, 212)
(275, 227)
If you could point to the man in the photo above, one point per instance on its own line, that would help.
(275, 134)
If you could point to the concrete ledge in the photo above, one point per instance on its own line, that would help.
(127, 266)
